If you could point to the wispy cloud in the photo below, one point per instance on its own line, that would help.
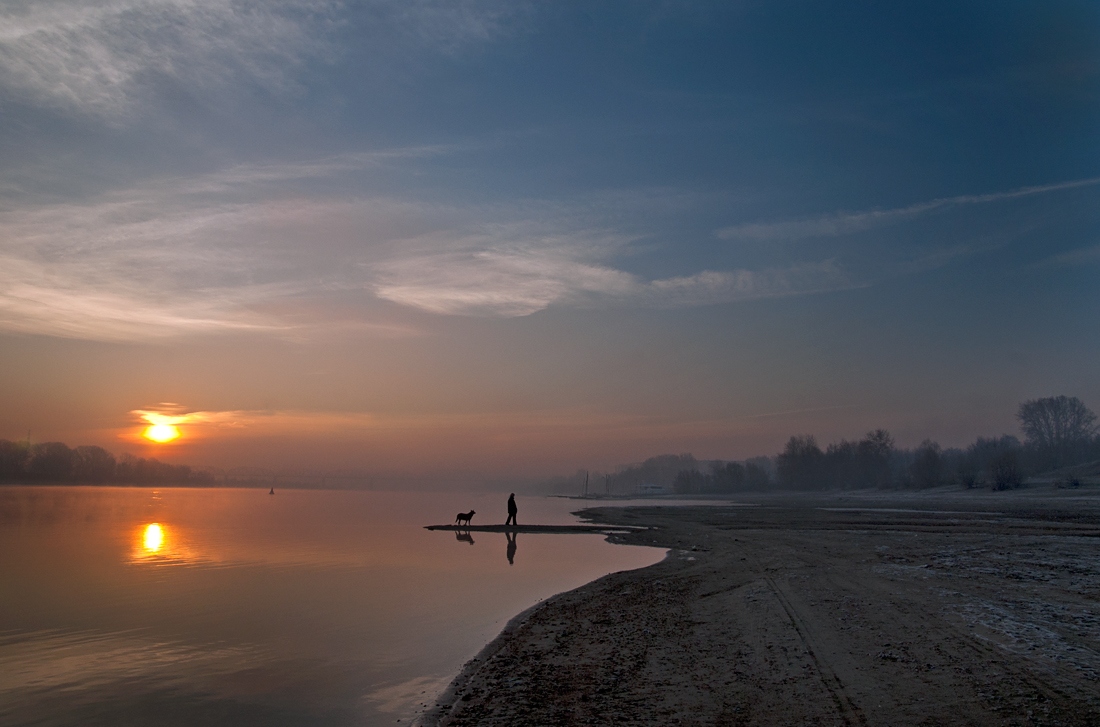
(513, 276)
(448, 25)
(120, 270)
(844, 223)
(34, 300)
(178, 415)
(505, 274)
(249, 249)
(1081, 256)
(187, 255)
(198, 424)
(100, 59)
(104, 59)
(723, 286)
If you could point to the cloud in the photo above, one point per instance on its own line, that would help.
(198, 424)
(499, 275)
(448, 25)
(242, 249)
(844, 223)
(250, 249)
(121, 270)
(724, 286)
(33, 300)
(249, 177)
(512, 276)
(106, 59)
(100, 59)
(1081, 256)
(177, 415)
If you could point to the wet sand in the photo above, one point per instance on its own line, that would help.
(944, 608)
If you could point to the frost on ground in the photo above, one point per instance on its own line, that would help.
(857, 608)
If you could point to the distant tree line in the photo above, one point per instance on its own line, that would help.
(660, 470)
(1059, 432)
(56, 462)
(666, 471)
(723, 477)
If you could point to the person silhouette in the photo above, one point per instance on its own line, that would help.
(511, 510)
(511, 535)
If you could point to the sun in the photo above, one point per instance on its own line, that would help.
(161, 433)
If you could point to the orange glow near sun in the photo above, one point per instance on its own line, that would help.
(161, 433)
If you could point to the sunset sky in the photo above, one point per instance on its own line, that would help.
(494, 238)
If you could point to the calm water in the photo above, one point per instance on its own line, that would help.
(127, 606)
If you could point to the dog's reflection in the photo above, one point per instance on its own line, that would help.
(464, 537)
(511, 535)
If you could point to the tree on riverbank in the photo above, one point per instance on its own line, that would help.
(1058, 428)
(56, 462)
(1060, 431)
(866, 463)
(928, 468)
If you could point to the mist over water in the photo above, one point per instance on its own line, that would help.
(125, 606)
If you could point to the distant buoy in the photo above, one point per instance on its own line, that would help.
(272, 491)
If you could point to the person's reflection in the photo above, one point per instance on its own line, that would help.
(511, 535)
(464, 537)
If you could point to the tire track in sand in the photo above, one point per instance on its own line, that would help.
(849, 711)
(1021, 678)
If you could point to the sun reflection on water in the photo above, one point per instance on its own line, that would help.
(163, 544)
(153, 538)
(157, 544)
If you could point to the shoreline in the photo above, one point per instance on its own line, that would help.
(465, 678)
(850, 608)
(534, 529)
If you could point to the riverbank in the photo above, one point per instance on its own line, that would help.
(871, 608)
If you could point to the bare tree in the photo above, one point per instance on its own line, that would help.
(1056, 425)
(1005, 470)
(927, 467)
(50, 462)
(13, 458)
(93, 464)
(874, 453)
(799, 464)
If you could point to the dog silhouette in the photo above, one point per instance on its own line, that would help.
(464, 517)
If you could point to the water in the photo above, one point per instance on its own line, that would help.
(124, 606)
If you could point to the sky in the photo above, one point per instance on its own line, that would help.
(478, 238)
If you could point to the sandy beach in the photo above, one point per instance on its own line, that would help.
(951, 607)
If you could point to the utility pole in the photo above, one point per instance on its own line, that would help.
(586, 483)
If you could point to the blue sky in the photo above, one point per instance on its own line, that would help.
(537, 236)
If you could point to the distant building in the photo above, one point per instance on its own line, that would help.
(651, 489)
